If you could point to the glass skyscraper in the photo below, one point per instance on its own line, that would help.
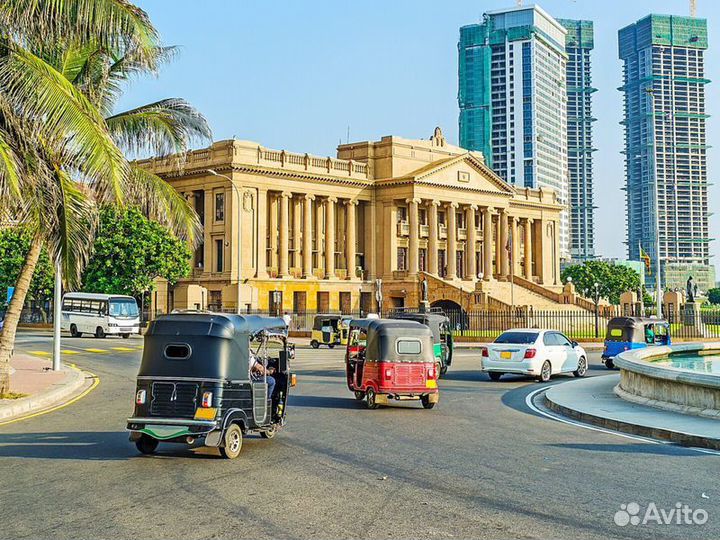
(665, 146)
(578, 44)
(512, 98)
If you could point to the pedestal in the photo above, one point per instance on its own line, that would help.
(692, 319)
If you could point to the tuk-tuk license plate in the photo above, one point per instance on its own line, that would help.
(506, 355)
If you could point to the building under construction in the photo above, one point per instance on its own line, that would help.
(665, 146)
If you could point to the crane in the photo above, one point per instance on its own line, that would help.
(693, 8)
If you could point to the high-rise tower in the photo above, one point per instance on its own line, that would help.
(512, 99)
(578, 44)
(665, 146)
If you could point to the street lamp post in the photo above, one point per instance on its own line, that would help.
(658, 290)
(239, 242)
(594, 293)
(57, 314)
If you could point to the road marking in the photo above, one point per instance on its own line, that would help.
(39, 353)
(122, 349)
(96, 350)
(531, 406)
(66, 351)
(95, 383)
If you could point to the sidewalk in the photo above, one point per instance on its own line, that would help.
(593, 401)
(44, 388)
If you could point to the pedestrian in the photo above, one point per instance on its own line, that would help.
(288, 319)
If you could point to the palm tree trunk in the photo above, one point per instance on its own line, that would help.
(12, 315)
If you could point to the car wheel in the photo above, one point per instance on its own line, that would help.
(545, 371)
(443, 370)
(232, 442)
(370, 399)
(359, 395)
(270, 432)
(125, 336)
(581, 367)
(609, 363)
(494, 375)
(146, 444)
(314, 344)
(426, 403)
(99, 332)
(73, 331)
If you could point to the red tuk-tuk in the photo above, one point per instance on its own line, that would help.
(388, 359)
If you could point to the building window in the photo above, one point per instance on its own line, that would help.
(422, 215)
(422, 260)
(219, 252)
(219, 207)
(215, 301)
(402, 213)
(402, 258)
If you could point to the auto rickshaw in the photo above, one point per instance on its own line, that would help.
(389, 359)
(628, 333)
(325, 331)
(194, 382)
(439, 325)
(344, 328)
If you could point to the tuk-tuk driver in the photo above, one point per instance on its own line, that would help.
(649, 334)
(257, 370)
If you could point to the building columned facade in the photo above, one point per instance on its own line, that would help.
(293, 232)
(512, 98)
(666, 147)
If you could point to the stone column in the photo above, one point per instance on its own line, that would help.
(504, 253)
(471, 243)
(515, 245)
(330, 237)
(262, 208)
(297, 227)
(319, 227)
(414, 239)
(370, 244)
(307, 237)
(540, 252)
(283, 248)
(451, 241)
(350, 237)
(527, 229)
(433, 237)
(274, 231)
(487, 243)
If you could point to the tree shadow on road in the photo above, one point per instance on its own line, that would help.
(324, 402)
(641, 448)
(85, 445)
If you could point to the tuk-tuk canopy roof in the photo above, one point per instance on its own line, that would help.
(332, 317)
(383, 334)
(433, 320)
(634, 322)
(216, 324)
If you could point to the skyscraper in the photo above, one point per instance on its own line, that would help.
(665, 146)
(512, 99)
(578, 44)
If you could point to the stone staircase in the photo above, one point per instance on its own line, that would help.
(525, 297)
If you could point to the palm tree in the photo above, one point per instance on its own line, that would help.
(60, 146)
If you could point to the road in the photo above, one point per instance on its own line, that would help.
(479, 465)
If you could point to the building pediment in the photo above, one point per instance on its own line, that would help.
(465, 171)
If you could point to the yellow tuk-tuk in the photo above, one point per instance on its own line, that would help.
(326, 331)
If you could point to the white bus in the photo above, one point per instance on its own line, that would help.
(100, 314)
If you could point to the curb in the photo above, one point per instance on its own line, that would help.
(32, 404)
(676, 437)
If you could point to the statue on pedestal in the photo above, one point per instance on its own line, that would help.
(691, 290)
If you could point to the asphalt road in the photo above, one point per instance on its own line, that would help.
(479, 465)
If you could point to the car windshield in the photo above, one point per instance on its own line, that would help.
(123, 307)
(518, 338)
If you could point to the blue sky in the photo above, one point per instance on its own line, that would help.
(296, 74)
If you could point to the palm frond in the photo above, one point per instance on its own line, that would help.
(115, 24)
(158, 200)
(65, 117)
(161, 128)
(10, 169)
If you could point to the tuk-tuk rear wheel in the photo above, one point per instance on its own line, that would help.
(232, 442)
(426, 403)
(609, 363)
(370, 399)
(269, 433)
(146, 444)
(359, 395)
(314, 344)
(331, 345)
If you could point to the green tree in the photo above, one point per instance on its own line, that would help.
(713, 295)
(63, 65)
(612, 279)
(14, 245)
(130, 251)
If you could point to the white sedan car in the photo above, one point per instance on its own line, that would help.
(534, 352)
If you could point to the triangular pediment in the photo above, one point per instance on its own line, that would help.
(465, 172)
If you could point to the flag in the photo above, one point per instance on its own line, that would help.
(644, 257)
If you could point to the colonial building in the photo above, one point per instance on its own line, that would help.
(320, 233)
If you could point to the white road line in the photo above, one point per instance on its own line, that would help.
(531, 406)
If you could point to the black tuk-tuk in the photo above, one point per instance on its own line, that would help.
(439, 325)
(194, 382)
